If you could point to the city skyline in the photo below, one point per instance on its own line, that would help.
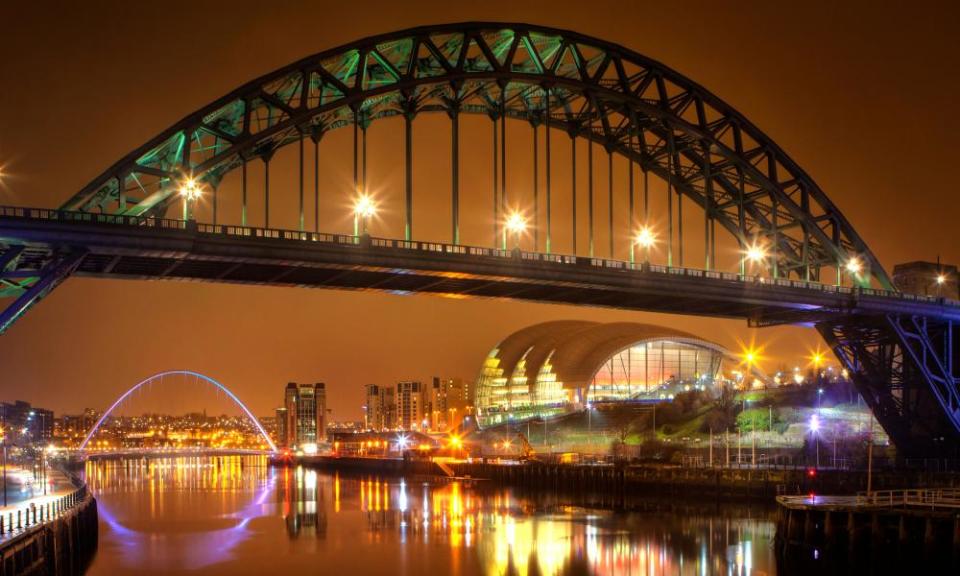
(254, 338)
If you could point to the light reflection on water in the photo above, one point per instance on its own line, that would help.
(235, 515)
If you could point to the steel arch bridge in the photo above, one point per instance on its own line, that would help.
(809, 266)
(160, 376)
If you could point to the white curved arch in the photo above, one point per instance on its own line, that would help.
(135, 387)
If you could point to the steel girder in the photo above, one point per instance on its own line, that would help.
(626, 102)
(33, 284)
(906, 369)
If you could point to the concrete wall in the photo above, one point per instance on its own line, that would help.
(62, 547)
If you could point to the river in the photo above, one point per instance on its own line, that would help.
(237, 515)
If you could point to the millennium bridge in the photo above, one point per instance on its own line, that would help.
(181, 206)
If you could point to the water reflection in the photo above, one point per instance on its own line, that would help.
(233, 515)
(302, 503)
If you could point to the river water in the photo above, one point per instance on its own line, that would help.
(237, 515)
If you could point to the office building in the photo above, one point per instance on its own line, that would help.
(280, 427)
(25, 424)
(380, 409)
(306, 415)
(410, 413)
(447, 402)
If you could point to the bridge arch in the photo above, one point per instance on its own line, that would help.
(629, 104)
(198, 375)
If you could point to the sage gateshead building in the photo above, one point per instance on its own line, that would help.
(562, 366)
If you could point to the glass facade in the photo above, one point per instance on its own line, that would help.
(503, 399)
(656, 369)
(652, 369)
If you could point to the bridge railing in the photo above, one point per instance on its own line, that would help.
(34, 514)
(441, 248)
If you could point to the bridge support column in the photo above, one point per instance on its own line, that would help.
(455, 173)
(573, 188)
(266, 189)
(409, 113)
(631, 209)
(50, 277)
(590, 193)
(546, 132)
(496, 189)
(534, 122)
(243, 193)
(315, 136)
(610, 201)
(300, 144)
(503, 157)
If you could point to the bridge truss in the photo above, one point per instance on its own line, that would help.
(903, 354)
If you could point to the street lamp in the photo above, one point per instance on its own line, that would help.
(815, 429)
(756, 253)
(645, 238)
(516, 225)
(191, 191)
(363, 209)
(854, 266)
(750, 357)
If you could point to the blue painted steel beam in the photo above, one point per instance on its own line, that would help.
(50, 278)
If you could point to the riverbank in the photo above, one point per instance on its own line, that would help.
(63, 542)
(617, 481)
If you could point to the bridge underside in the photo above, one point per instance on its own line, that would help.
(901, 352)
(906, 369)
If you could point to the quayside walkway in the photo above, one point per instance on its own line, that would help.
(926, 519)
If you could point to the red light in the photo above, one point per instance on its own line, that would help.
(811, 472)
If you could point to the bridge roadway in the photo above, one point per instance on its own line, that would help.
(150, 248)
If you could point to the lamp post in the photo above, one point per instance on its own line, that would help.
(645, 238)
(190, 191)
(516, 224)
(815, 429)
(363, 209)
(854, 267)
(755, 253)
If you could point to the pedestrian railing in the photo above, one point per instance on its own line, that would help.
(930, 498)
(35, 514)
(436, 247)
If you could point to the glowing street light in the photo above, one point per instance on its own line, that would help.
(854, 266)
(814, 427)
(516, 224)
(191, 191)
(363, 209)
(750, 356)
(756, 253)
(817, 359)
(645, 238)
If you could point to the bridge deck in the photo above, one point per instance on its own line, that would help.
(149, 248)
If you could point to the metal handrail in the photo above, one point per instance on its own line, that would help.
(31, 516)
(438, 247)
(934, 498)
